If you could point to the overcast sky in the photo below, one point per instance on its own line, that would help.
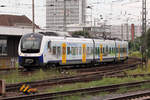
(114, 11)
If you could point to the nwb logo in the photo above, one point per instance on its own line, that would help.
(27, 89)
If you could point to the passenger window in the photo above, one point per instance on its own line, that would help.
(54, 50)
(110, 50)
(72, 50)
(80, 51)
(58, 51)
(106, 49)
(49, 46)
(117, 50)
(120, 50)
(98, 50)
(87, 51)
(114, 50)
(76, 50)
(68, 50)
(103, 50)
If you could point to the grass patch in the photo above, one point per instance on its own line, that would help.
(75, 97)
(139, 70)
(121, 90)
(135, 54)
(103, 82)
(17, 76)
(102, 94)
(143, 87)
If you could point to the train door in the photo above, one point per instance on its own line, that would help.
(48, 52)
(101, 52)
(84, 53)
(64, 53)
(119, 51)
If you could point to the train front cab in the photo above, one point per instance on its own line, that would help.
(29, 50)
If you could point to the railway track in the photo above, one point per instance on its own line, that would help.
(143, 95)
(10, 69)
(109, 88)
(109, 71)
(101, 66)
(78, 78)
(79, 69)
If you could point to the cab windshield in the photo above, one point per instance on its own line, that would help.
(31, 44)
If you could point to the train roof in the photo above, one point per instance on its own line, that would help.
(54, 36)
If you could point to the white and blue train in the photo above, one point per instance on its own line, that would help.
(36, 49)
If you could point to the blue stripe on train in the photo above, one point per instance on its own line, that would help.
(20, 59)
(55, 61)
(40, 58)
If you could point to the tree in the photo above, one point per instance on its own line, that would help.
(81, 33)
(148, 41)
(135, 45)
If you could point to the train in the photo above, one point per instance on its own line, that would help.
(36, 49)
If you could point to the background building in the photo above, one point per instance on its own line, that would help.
(55, 17)
(12, 27)
(124, 32)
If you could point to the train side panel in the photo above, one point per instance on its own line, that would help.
(104, 50)
(66, 51)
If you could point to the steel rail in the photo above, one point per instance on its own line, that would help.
(130, 61)
(109, 88)
(131, 96)
(79, 78)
